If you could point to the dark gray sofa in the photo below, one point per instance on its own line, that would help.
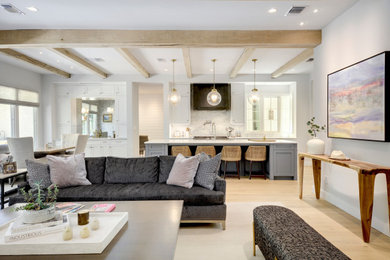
(145, 179)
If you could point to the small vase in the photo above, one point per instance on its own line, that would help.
(37, 216)
(315, 146)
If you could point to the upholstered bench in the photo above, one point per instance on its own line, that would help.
(282, 234)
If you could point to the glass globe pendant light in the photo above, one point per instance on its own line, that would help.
(254, 95)
(213, 97)
(174, 96)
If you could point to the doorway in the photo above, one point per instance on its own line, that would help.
(150, 113)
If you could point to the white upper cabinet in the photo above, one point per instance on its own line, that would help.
(238, 104)
(181, 112)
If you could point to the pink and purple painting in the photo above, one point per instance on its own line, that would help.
(356, 100)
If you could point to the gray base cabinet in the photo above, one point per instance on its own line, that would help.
(283, 161)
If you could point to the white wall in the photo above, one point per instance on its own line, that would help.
(360, 32)
(16, 77)
(151, 112)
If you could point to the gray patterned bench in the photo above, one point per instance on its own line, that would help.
(281, 234)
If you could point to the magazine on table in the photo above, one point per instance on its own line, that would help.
(105, 207)
(19, 226)
(68, 207)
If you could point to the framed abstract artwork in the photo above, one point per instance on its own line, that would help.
(107, 118)
(359, 100)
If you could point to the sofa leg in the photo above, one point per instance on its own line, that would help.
(223, 223)
(254, 244)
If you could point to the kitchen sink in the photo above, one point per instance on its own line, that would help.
(207, 137)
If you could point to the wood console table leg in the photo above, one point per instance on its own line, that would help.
(317, 176)
(388, 194)
(366, 197)
(300, 174)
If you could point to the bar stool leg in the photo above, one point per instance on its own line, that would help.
(224, 171)
(250, 169)
(238, 169)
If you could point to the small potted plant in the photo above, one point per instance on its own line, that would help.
(38, 207)
(315, 145)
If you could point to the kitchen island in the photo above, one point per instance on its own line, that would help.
(281, 154)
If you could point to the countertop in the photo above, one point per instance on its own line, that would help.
(105, 138)
(234, 141)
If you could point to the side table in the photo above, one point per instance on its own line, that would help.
(4, 178)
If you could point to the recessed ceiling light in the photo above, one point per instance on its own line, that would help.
(71, 67)
(315, 11)
(58, 61)
(272, 10)
(211, 70)
(41, 52)
(165, 69)
(301, 23)
(32, 8)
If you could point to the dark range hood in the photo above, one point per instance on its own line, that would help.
(199, 93)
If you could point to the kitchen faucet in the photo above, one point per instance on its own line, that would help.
(213, 128)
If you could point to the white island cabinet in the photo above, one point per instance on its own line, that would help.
(281, 154)
(99, 147)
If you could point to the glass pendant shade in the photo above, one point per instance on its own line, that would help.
(174, 96)
(213, 97)
(254, 95)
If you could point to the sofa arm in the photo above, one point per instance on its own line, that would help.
(220, 184)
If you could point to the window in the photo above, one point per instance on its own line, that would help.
(273, 115)
(18, 110)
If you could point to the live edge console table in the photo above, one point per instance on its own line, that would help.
(366, 174)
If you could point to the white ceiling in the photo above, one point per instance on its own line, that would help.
(169, 15)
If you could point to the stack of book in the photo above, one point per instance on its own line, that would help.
(68, 207)
(18, 230)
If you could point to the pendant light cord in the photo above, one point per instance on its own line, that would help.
(173, 74)
(213, 60)
(254, 74)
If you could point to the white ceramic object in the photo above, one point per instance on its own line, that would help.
(37, 216)
(94, 223)
(67, 234)
(315, 146)
(84, 232)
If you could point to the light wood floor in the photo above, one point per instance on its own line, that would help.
(340, 228)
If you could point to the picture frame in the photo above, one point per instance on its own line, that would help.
(358, 100)
(107, 118)
(10, 168)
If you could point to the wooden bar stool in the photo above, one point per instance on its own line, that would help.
(231, 154)
(184, 150)
(209, 150)
(256, 154)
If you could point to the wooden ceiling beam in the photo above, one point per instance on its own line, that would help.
(293, 62)
(241, 61)
(133, 61)
(68, 54)
(30, 60)
(187, 61)
(159, 38)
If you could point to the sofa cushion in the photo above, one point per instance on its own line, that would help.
(131, 170)
(95, 169)
(142, 191)
(68, 171)
(183, 171)
(166, 163)
(208, 171)
(38, 173)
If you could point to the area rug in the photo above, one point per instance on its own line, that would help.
(204, 242)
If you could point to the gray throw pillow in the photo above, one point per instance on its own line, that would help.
(68, 171)
(207, 172)
(38, 173)
(183, 171)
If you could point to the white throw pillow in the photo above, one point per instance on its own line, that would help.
(183, 171)
(68, 171)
